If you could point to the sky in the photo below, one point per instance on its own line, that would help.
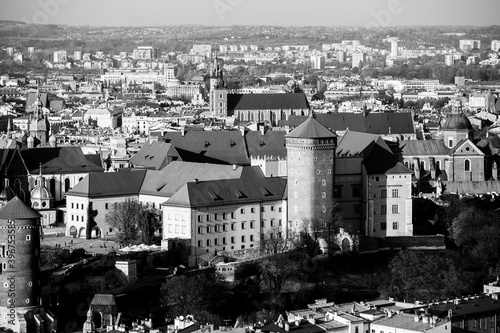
(253, 12)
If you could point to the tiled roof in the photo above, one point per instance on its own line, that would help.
(423, 147)
(226, 147)
(17, 209)
(353, 143)
(252, 186)
(380, 161)
(472, 187)
(104, 184)
(58, 160)
(311, 129)
(267, 101)
(154, 155)
(167, 181)
(103, 299)
(375, 123)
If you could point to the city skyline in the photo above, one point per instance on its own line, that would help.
(256, 12)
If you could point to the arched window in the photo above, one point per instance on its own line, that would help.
(422, 165)
(66, 185)
(52, 187)
(467, 165)
(438, 165)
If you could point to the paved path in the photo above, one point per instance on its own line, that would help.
(53, 236)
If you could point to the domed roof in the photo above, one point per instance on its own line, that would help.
(6, 194)
(40, 193)
(457, 122)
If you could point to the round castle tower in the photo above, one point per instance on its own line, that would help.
(311, 171)
(19, 265)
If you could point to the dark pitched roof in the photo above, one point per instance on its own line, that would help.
(58, 160)
(251, 187)
(375, 123)
(154, 155)
(423, 147)
(267, 101)
(311, 129)
(226, 147)
(167, 181)
(354, 143)
(17, 209)
(103, 184)
(380, 161)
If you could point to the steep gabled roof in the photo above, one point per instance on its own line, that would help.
(167, 181)
(295, 101)
(217, 147)
(154, 155)
(423, 147)
(103, 184)
(380, 161)
(354, 143)
(58, 160)
(311, 129)
(17, 209)
(251, 187)
(375, 123)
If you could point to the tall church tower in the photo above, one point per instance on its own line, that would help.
(218, 91)
(311, 170)
(20, 308)
(38, 124)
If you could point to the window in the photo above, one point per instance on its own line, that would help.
(243, 239)
(208, 217)
(252, 224)
(216, 217)
(232, 215)
(208, 242)
(272, 223)
(262, 209)
(224, 240)
(243, 225)
(200, 244)
(383, 209)
(2, 250)
(106, 206)
(377, 179)
(251, 238)
(272, 208)
(232, 239)
(242, 211)
(199, 229)
(395, 209)
(72, 205)
(263, 223)
(337, 192)
(279, 209)
(323, 182)
(323, 195)
(395, 193)
(28, 237)
(252, 210)
(383, 226)
(395, 225)
(450, 143)
(356, 192)
(467, 165)
(199, 218)
(279, 223)
(224, 216)
(233, 226)
(216, 241)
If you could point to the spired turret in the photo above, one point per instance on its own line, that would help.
(19, 265)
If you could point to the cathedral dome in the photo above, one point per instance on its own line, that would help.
(6, 194)
(40, 193)
(457, 122)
